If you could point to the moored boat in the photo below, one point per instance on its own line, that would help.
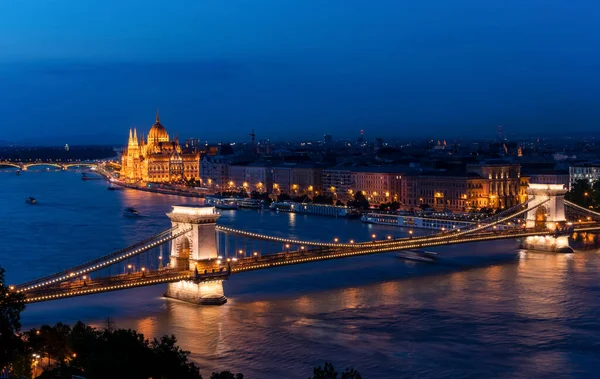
(250, 203)
(30, 200)
(227, 204)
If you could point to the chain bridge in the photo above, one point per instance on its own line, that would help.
(204, 254)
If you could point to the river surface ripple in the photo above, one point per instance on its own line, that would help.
(481, 313)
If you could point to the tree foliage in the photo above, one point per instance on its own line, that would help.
(393, 206)
(327, 371)
(226, 375)
(110, 353)
(359, 202)
(11, 306)
(585, 194)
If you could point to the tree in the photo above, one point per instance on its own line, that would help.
(328, 372)
(226, 375)
(360, 201)
(581, 193)
(120, 353)
(284, 197)
(11, 306)
(322, 199)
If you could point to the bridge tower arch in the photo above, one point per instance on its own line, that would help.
(194, 247)
(552, 200)
(547, 212)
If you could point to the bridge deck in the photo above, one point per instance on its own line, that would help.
(79, 287)
(209, 270)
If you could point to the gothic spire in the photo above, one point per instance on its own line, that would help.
(135, 139)
(157, 116)
(130, 137)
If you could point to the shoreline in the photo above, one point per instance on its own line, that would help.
(161, 191)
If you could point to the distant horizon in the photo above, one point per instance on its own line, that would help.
(114, 139)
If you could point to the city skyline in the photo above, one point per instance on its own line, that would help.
(298, 70)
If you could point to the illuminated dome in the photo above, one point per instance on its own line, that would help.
(158, 133)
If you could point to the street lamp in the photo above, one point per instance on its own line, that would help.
(410, 232)
(336, 240)
(389, 237)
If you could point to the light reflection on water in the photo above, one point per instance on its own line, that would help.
(467, 318)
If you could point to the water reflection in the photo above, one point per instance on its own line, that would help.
(469, 317)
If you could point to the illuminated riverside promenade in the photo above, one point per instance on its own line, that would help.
(196, 268)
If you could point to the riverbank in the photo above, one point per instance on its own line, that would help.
(186, 193)
(159, 190)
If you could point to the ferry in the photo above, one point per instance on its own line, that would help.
(314, 209)
(418, 255)
(227, 204)
(323, 210)
(282, 206)
(420, 222)
(31, 200)
(250, 203)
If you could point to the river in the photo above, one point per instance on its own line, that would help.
(480, 313)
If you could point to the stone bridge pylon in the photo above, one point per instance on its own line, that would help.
(195, 248)
(547, 211)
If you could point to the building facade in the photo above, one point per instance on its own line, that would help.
(502, 180)
(214, 171)
(379, 185)
(584, 171)
(337, 183)
(158, 159)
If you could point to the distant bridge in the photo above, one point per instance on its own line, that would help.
(24, 165)
(196, 268)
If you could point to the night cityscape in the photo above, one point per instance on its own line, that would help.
(299, 189)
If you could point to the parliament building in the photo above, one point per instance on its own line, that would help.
(158, 159)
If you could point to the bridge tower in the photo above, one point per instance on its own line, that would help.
(547, 211)
(197, 247)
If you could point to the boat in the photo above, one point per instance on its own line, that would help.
(418, 255)
(322, 209)
(227, 204)
(283, 206)
(30, 200)
(130, 211)
(424, 221)
(18, 172)
(250, 203)
(114, 188)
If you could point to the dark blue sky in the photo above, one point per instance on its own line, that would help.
(219, 68)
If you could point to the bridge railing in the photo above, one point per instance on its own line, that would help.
(439, 236)
(92, 265)
(582, 210)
